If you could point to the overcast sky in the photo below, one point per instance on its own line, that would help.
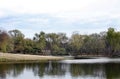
(84, 16)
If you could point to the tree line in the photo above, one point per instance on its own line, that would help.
(103, 43)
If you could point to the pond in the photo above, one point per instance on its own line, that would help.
(66, 69)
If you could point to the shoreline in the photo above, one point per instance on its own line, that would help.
(8, 57)
(27, 58)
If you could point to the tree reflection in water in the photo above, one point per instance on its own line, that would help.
(97, 71)
(94, 70)
(11, 69)
(112, 71)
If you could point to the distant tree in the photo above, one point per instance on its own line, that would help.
(18, 40)
(76, 43)
(40, 42)
(52, 42)
(28, 46)
(103, 43)
(113, 41)
(4, 38)
(93, 44)
(56, 43)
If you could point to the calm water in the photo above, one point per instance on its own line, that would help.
(68, 69)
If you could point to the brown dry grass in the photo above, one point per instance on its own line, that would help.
(24, 57)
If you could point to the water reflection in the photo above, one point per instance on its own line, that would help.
(94, 70)
(56, 70)
(11, 69)
(112, 71)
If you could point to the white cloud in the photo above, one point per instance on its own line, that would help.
(2, 14)
(70, 9)
(43, 6)
(39, 20)
(56, 6)
(75, 14)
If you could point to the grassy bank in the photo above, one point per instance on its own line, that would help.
(8, 57)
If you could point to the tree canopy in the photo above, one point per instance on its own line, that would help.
(104, 43)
